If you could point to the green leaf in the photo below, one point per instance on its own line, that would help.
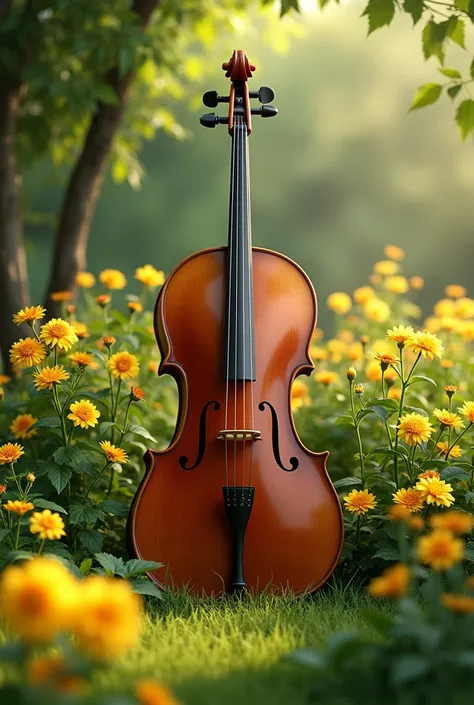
(422, 378)
(58, 476)
(137, 566)
(414, 8)
(453, 91)
(457, 31)
(106, 94)
(347, 482)
(47, 422)
(105, 426)
(432, 39)
(380, 13)
(345, 420)
(65, 455)
(5, 532)
(90, 540)
(462, 5)
(111, 506)
(111, 564)
(85, 566)
(465, 118)
(426, 95)
(450, 73)
(141, 431)
(471, 70)
(145, 587)
(46, 504)
(131, 340)
(408, 668)
(454, 473)
(388, 553)
(383, 408)
(386, 450)
(84, 513)
(309, 657)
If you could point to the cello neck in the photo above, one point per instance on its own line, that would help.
(239, 362)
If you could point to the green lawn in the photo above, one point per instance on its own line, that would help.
(230, 652)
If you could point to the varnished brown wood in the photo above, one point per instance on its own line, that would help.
(294, 535)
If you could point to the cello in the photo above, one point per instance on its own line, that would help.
(236, 502)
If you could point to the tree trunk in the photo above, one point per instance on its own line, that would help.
(86, 179)
(14, 292)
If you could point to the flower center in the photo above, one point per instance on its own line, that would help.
(28, 348)
(58, 330)
(123, 364)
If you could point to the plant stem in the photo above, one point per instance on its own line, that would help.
(400, 409)
(96, 478)
(17, 537)
(457, 439)
(41, 546)
(435, 442)
(359, 439)
(358, 530)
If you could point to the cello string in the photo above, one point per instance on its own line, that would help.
(244, 341)
(229, 258)
(252, 319)
(236, 329)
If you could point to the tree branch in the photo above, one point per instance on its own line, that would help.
(87, 176)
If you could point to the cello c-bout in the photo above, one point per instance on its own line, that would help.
(236, 501)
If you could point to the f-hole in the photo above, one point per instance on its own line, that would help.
(183, 460)
(294, 462)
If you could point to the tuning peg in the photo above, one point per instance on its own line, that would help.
(264, 94)
(211, 99)
(265, 111)
(211, 120)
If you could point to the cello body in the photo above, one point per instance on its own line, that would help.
(294, 533)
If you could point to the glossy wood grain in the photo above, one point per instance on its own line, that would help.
(294, 535)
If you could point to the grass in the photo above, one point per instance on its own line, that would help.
(232, 652)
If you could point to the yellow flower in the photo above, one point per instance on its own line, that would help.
(410, 498)
(29, 314)
(80, 329)
(150, 276)
(124, 365)
(4, 379)
(317, 353)
(20, 425)
(373, 371)
(360, 501)
(394, 252)
(399, 512)
(85, 279)
(455, 291)
(440, 549)
(392, 583)
(135, 306)
(457, 522)
(326, 377)
(435, 491)
(18, 506)
(448, 419)
(38, 599)
(27, 352)
(113, 453)
(464, 308)
(49, 376)
(30, 477)
(10, 453)
(351, 374)
(426, 343)
(394, 393)
(385, 359)
(429, 474)
(108, 341)
(450, 389)
(3, 489)
(339, 302)
(299, 394)
(446, 364)
(432, 324)
(386, 268)
(455, 452)
(355, 352)
(414, 429)
(363, 294)
(467, 410)
(153, 366)
(466, 328)
(417, 283)
(109, 621)
(377, 310)
(58, 333)
(47, 525)
(458, 603)
(83, 359)
(359, 388)
(398, 285)
(60, 295)
(151, 693)
(444, 307)
(83, 413)
(112, 279)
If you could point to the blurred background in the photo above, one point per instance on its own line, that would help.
(342, 170)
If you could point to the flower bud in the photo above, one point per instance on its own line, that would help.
(351, 374)
(30, 477)
(2, 393)
(359, 388)
(450, 389)
(103, 300)
(136, 394)
(3, 489)
(70, 309)
(135, 307)
(108, 341)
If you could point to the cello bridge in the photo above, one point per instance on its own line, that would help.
(239, 434)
